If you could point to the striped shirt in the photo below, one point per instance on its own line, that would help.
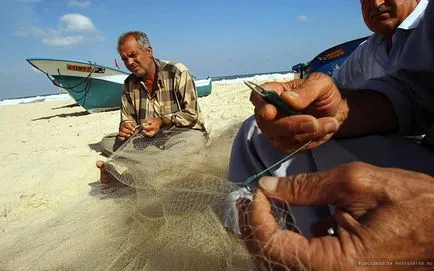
(175, 97)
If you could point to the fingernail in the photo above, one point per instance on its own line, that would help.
(269, 183)
(330, 127)
(308, 127)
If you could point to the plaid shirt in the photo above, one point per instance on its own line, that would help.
(175, 97)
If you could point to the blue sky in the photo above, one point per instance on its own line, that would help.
(213, 38)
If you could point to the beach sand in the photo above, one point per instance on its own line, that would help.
(49, 180)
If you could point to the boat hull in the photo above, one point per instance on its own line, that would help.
(203, 87)
(96, 88)
(329, 60)
(93, 94)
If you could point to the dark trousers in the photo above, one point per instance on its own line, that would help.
(110, 143)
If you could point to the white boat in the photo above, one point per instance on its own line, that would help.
(95, 87)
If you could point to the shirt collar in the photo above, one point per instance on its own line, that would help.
(414, 18)
(159, 79)
(158, 72)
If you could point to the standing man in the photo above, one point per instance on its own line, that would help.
(157, 95)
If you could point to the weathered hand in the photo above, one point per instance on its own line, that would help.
(316, 97)
(382, 215)
(126, 129)
(151, 126)
(267, 109)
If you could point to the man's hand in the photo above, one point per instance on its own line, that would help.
(317, 98)
(382, 215)
(126, 129)
(151, 126)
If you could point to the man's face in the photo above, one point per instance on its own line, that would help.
(384, 16)
(136, 59)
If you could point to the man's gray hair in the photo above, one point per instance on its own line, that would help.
(140, 37)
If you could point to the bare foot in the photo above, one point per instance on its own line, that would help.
(105, 177)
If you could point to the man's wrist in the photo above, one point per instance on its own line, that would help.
(367, 112)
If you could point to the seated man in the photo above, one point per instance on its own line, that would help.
(379, 211)
(157, 95)
(253, 151)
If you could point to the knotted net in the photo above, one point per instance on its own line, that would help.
(184, 204)
(166, 211)
(181, 199)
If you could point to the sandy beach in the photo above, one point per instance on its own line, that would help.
(49, 180)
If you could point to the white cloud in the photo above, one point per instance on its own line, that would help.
(100, 38)
(38, 33)
(74, 29)
(75, 3)
(76, 22)
(68, 41)
(20, 33)
(302, 18)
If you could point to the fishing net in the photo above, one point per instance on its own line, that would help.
(164, 213)
(185, 208)
(170, 209)
(181, 202)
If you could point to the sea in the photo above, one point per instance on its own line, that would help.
(227, 79)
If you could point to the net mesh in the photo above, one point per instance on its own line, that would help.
(180, 202)
(166, 211)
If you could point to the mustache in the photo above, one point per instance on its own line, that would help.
(381, 9)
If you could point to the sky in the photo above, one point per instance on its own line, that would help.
(212, 38)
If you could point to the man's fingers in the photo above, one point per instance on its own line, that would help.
(246, 229)
(147, 128)
(340, 186)
(265, 109)
(308, 91)
(302, 189)
(300, 124)
(288, 133)
(127, 126)
(256, 99)
(259, 213)
(149, 133)
(293, 84)
(275, 86)
(324, 227)
(242, 207)
(262, 108)
(272, 240)
(287, 126)
(126, 132)
(123, 135)
(288, 248)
